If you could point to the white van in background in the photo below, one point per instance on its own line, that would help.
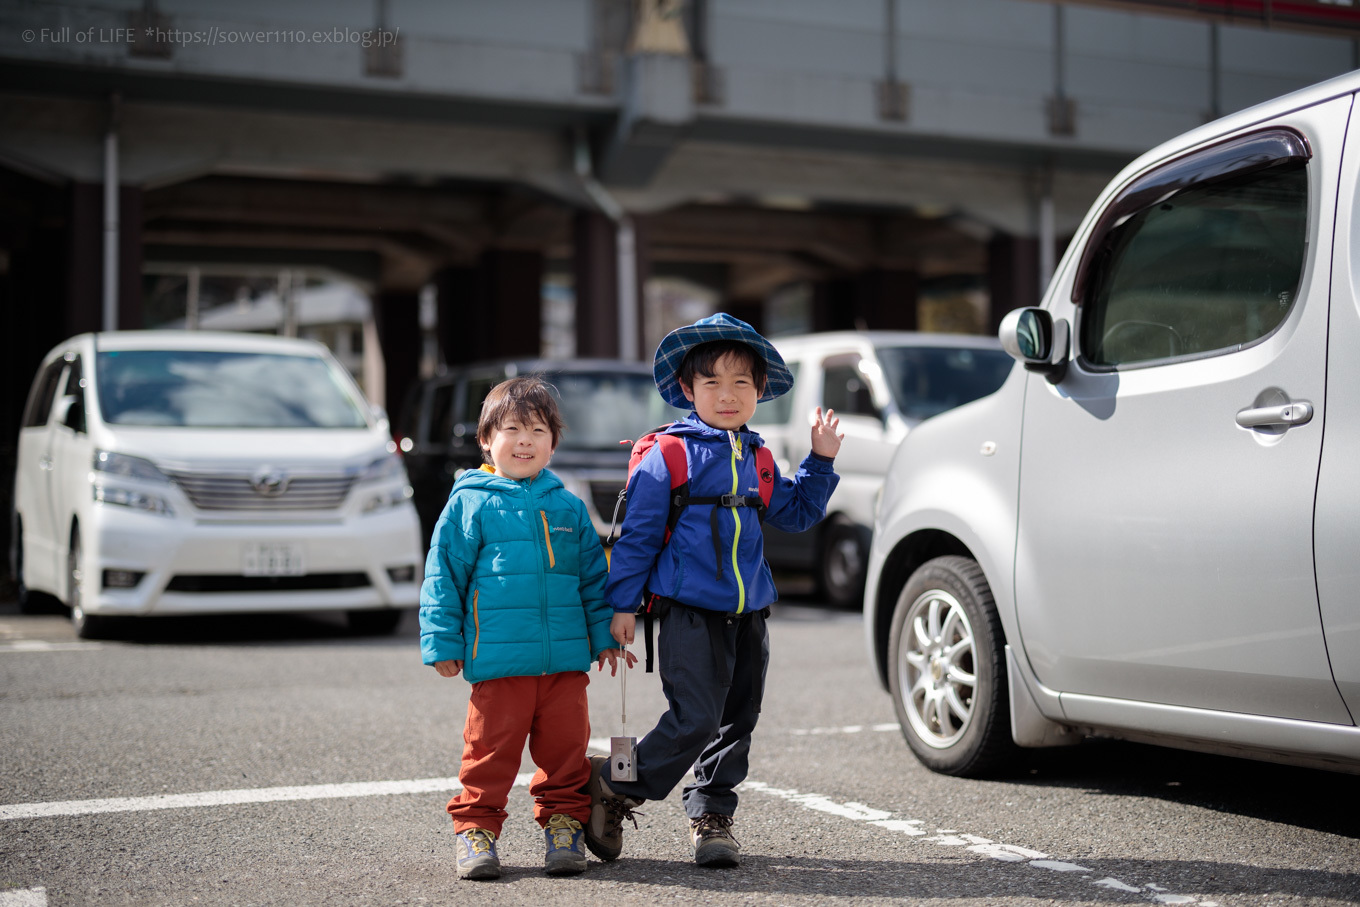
(881, 384)
(169, 472)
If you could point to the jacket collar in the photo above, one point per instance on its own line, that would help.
(695, 427)
(485, 477)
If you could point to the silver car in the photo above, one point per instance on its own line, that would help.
(1149, 531)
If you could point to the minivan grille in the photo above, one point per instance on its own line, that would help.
(236, 492)
(603, 495)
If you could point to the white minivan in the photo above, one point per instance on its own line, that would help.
(173, 472)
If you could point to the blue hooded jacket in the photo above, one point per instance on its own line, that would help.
(687, 568)
(514, 581)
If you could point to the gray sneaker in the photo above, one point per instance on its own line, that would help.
(604, 831)
(477, 855)
(713, 841)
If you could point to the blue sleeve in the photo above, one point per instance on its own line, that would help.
(798, 503)
(448, 571)
(643, 533)
(594, 573)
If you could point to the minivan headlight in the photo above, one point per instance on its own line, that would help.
(386, 468)
(116, 464)
(110, 468)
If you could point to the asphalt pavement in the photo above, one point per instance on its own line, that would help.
(282, 760)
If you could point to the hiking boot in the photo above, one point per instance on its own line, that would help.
(713, 841)
(477, 855)
(604, 831)
(565, 856)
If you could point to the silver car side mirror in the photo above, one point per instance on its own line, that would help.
(1037, 340)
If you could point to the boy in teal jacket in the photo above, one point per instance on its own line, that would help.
(514, 600)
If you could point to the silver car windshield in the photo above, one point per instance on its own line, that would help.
(925, 381)
(212, 389)
(602, 409)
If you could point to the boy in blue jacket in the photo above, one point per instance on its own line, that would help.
(708, 577)
(514, 599)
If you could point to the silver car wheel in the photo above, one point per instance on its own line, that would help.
(936, 669)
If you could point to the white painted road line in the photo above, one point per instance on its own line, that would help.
(39, 645)
(946, 837)
(849, 810)
(848, 729)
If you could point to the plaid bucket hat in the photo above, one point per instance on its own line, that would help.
(722, 326)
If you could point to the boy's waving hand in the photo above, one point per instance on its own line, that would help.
(826, 442)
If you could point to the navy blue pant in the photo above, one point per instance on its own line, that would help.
(708, 724)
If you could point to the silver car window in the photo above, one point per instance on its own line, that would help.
(1208, 270)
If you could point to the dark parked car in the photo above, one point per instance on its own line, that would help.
(604, 401)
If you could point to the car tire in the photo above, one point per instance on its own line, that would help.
(841, 565)
(87, 626)
(29, 601)
(374, 623)
(947, 670)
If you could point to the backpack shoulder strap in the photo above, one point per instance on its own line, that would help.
(677, 461)
(765, 472)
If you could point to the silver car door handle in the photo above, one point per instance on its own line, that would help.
(44, 462)
(1290, 414)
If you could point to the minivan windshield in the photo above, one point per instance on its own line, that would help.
(601, 409)
(214, 389)
(927, 380)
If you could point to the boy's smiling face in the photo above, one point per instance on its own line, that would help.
(520, 448)
(727, 398)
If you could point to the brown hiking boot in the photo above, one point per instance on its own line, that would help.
(604, 831)
(713, 841)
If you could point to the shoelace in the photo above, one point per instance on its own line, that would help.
(563, 829)
(618, 810)
(478, 840)
(713, 825)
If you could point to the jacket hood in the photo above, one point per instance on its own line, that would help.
(485, 478)
(693, 426)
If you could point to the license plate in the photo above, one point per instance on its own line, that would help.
(272, 560)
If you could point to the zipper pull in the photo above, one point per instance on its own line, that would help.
(735, 442)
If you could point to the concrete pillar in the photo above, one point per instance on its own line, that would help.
(596, 281)
(833, 305)
(462, 321)
(1012, 275)
(887, 299)
(751, 311)
(85, 259)
(876, 299)
(397, 315)
(85, 254)
(511, 284)
(493, 309)
(130, 313)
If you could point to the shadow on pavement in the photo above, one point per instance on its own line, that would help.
(1304, 797)
(919, 882)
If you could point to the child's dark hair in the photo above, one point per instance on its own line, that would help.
(519, 399)
(703, 359)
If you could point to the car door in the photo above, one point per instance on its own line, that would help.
(33, 480)
(71, 455)
(1337, 520)
(862, 461)
(1164, 551)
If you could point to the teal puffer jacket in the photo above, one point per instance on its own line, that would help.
(514, 582)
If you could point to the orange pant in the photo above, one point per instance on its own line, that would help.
(551, 712)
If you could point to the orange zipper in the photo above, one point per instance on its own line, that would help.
(552, 561)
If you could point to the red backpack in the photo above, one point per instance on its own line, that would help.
(677, 464)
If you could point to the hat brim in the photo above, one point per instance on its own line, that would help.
(673, 348)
